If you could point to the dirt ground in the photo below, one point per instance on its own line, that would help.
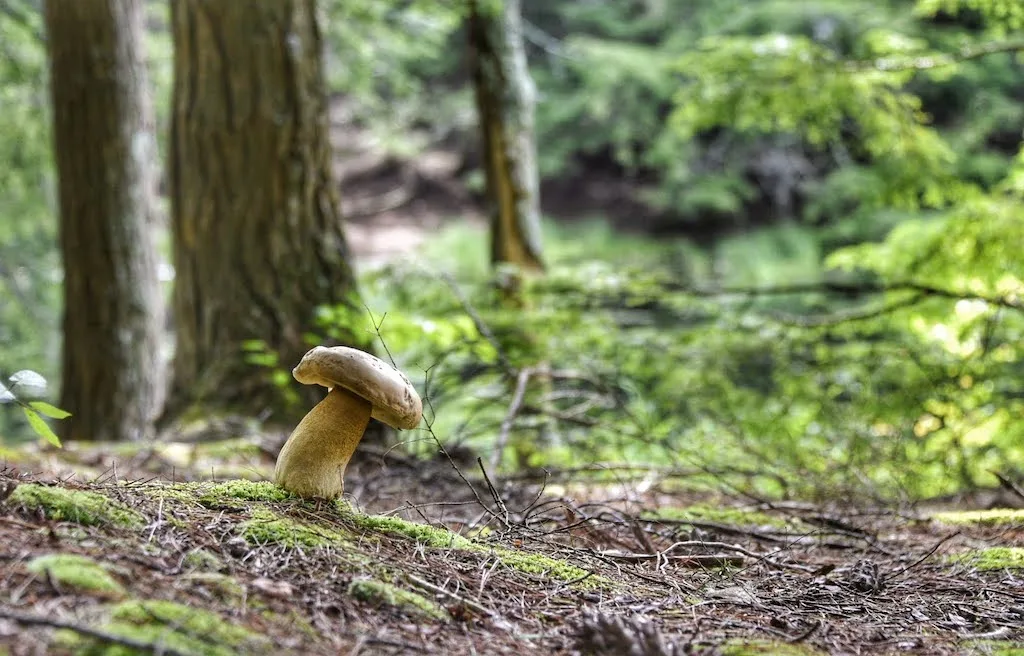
(431, 557)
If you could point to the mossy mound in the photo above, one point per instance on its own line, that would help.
(994, 517)
(266, 527)
(997, 648)
(994, 558)
(229, 495)
(220, 586)
(167, 625)
(203, 560)
(80, 573)
(79, 506)
(442, 538)
(386, 594)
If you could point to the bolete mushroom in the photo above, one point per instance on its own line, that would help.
(312, 462)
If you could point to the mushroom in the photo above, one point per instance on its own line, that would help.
(313, 460)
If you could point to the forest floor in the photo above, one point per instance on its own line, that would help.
(180, 549)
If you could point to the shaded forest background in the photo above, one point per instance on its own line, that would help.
(782, 239)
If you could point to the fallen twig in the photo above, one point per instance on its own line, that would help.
(427, 585)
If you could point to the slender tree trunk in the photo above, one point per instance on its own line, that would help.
(258, 240)
(104, 149)
(505, 102)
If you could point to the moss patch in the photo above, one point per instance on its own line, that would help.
(764, 647)
(77, 506)
(79, 572)
(229, 495)
(428, 535)
(203, 560)
(442, 538)
(997, 648)
(225, 588)
(267, 527)
(386, 594)
(541, 565)
(170, 625)
(995, 517)
(992, 559)
(719, 515)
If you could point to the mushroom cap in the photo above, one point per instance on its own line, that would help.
(394, 399)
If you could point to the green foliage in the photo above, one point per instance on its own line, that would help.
(29, 270)
(789, 84)
(24, 385)
(1005, 14)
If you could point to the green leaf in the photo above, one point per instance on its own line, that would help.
(41, 428)
(49, 410)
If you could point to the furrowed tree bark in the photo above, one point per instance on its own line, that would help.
(104, 148)
(258, 239)
(505, 99)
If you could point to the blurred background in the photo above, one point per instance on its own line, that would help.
(773, 245)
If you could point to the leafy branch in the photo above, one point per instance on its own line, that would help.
(25, 388)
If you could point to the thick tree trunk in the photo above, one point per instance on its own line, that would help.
(258, 241)
(112, 372)
(505, 101)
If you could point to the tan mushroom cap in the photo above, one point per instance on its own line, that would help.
(394, 399)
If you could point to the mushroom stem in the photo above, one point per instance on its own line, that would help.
(313, 460)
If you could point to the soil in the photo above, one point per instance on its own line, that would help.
(583, 567)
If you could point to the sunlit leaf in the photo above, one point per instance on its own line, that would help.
(41, 428)
(49, 410)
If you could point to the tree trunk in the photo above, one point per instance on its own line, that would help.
(258, 240)
(112, 373)
(505, 100)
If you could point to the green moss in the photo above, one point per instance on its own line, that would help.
(380, 593)
(203, 560)
(541, 565)
(764, 647)
(993, 558)
(246, 491)
(719, 515)
(77, 506)
(267, 527)
(995, 517)
(997, 648)
(79, 572)
(442, 538)
(170, 625)
(224, 587)
(422, 533)
(231, 495)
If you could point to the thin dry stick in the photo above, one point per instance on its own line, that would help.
(925, 557)
(426, 585)
(481, 326)
(109, 638)
(494, 492)
(513, 409)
